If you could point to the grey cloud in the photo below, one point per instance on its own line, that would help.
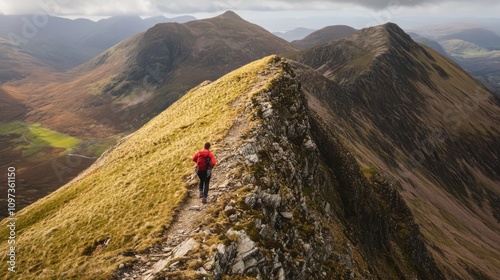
(145, 7)
(213, 6)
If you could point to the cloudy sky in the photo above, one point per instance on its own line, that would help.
(267, 13)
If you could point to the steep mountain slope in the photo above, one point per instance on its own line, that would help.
(17, 63)
(408, 112)
(324, 35)
(288, 210)
(135, 80)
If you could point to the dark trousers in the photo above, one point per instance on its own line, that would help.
(204, 182)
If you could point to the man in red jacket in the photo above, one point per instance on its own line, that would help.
(205, 161)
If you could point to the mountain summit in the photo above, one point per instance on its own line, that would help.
(230, 15)
(324, 35)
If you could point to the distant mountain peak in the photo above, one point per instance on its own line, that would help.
(394, 29)
(231, 15)
(388, 36)
(389, 29)
(324, 35)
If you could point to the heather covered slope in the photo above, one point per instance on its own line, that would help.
(408, 112)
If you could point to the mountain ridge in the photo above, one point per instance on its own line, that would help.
(166, 193)
(315, 210)
(395, 110)
(350, 161)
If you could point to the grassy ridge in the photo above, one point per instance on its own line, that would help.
(133, 196)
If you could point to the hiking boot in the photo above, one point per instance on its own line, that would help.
(201, 194)
(204, 200)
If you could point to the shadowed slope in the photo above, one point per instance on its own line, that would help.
(411, 113)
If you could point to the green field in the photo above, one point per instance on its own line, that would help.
(31, 138)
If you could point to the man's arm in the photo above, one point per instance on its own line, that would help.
(195, 157)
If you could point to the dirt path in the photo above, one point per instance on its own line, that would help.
(190, 213)
(24, 138)
(82, 156)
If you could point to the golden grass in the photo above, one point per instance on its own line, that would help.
(133, 197)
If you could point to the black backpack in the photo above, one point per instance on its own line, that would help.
(209, 168)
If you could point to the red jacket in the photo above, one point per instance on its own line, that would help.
(201, 159)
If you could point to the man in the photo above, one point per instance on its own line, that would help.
(205, 161)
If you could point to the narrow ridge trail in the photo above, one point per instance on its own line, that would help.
(189, 215)
(177, 238)
(192, 212)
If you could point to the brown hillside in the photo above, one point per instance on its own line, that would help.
(324, 35)
(130, 83)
